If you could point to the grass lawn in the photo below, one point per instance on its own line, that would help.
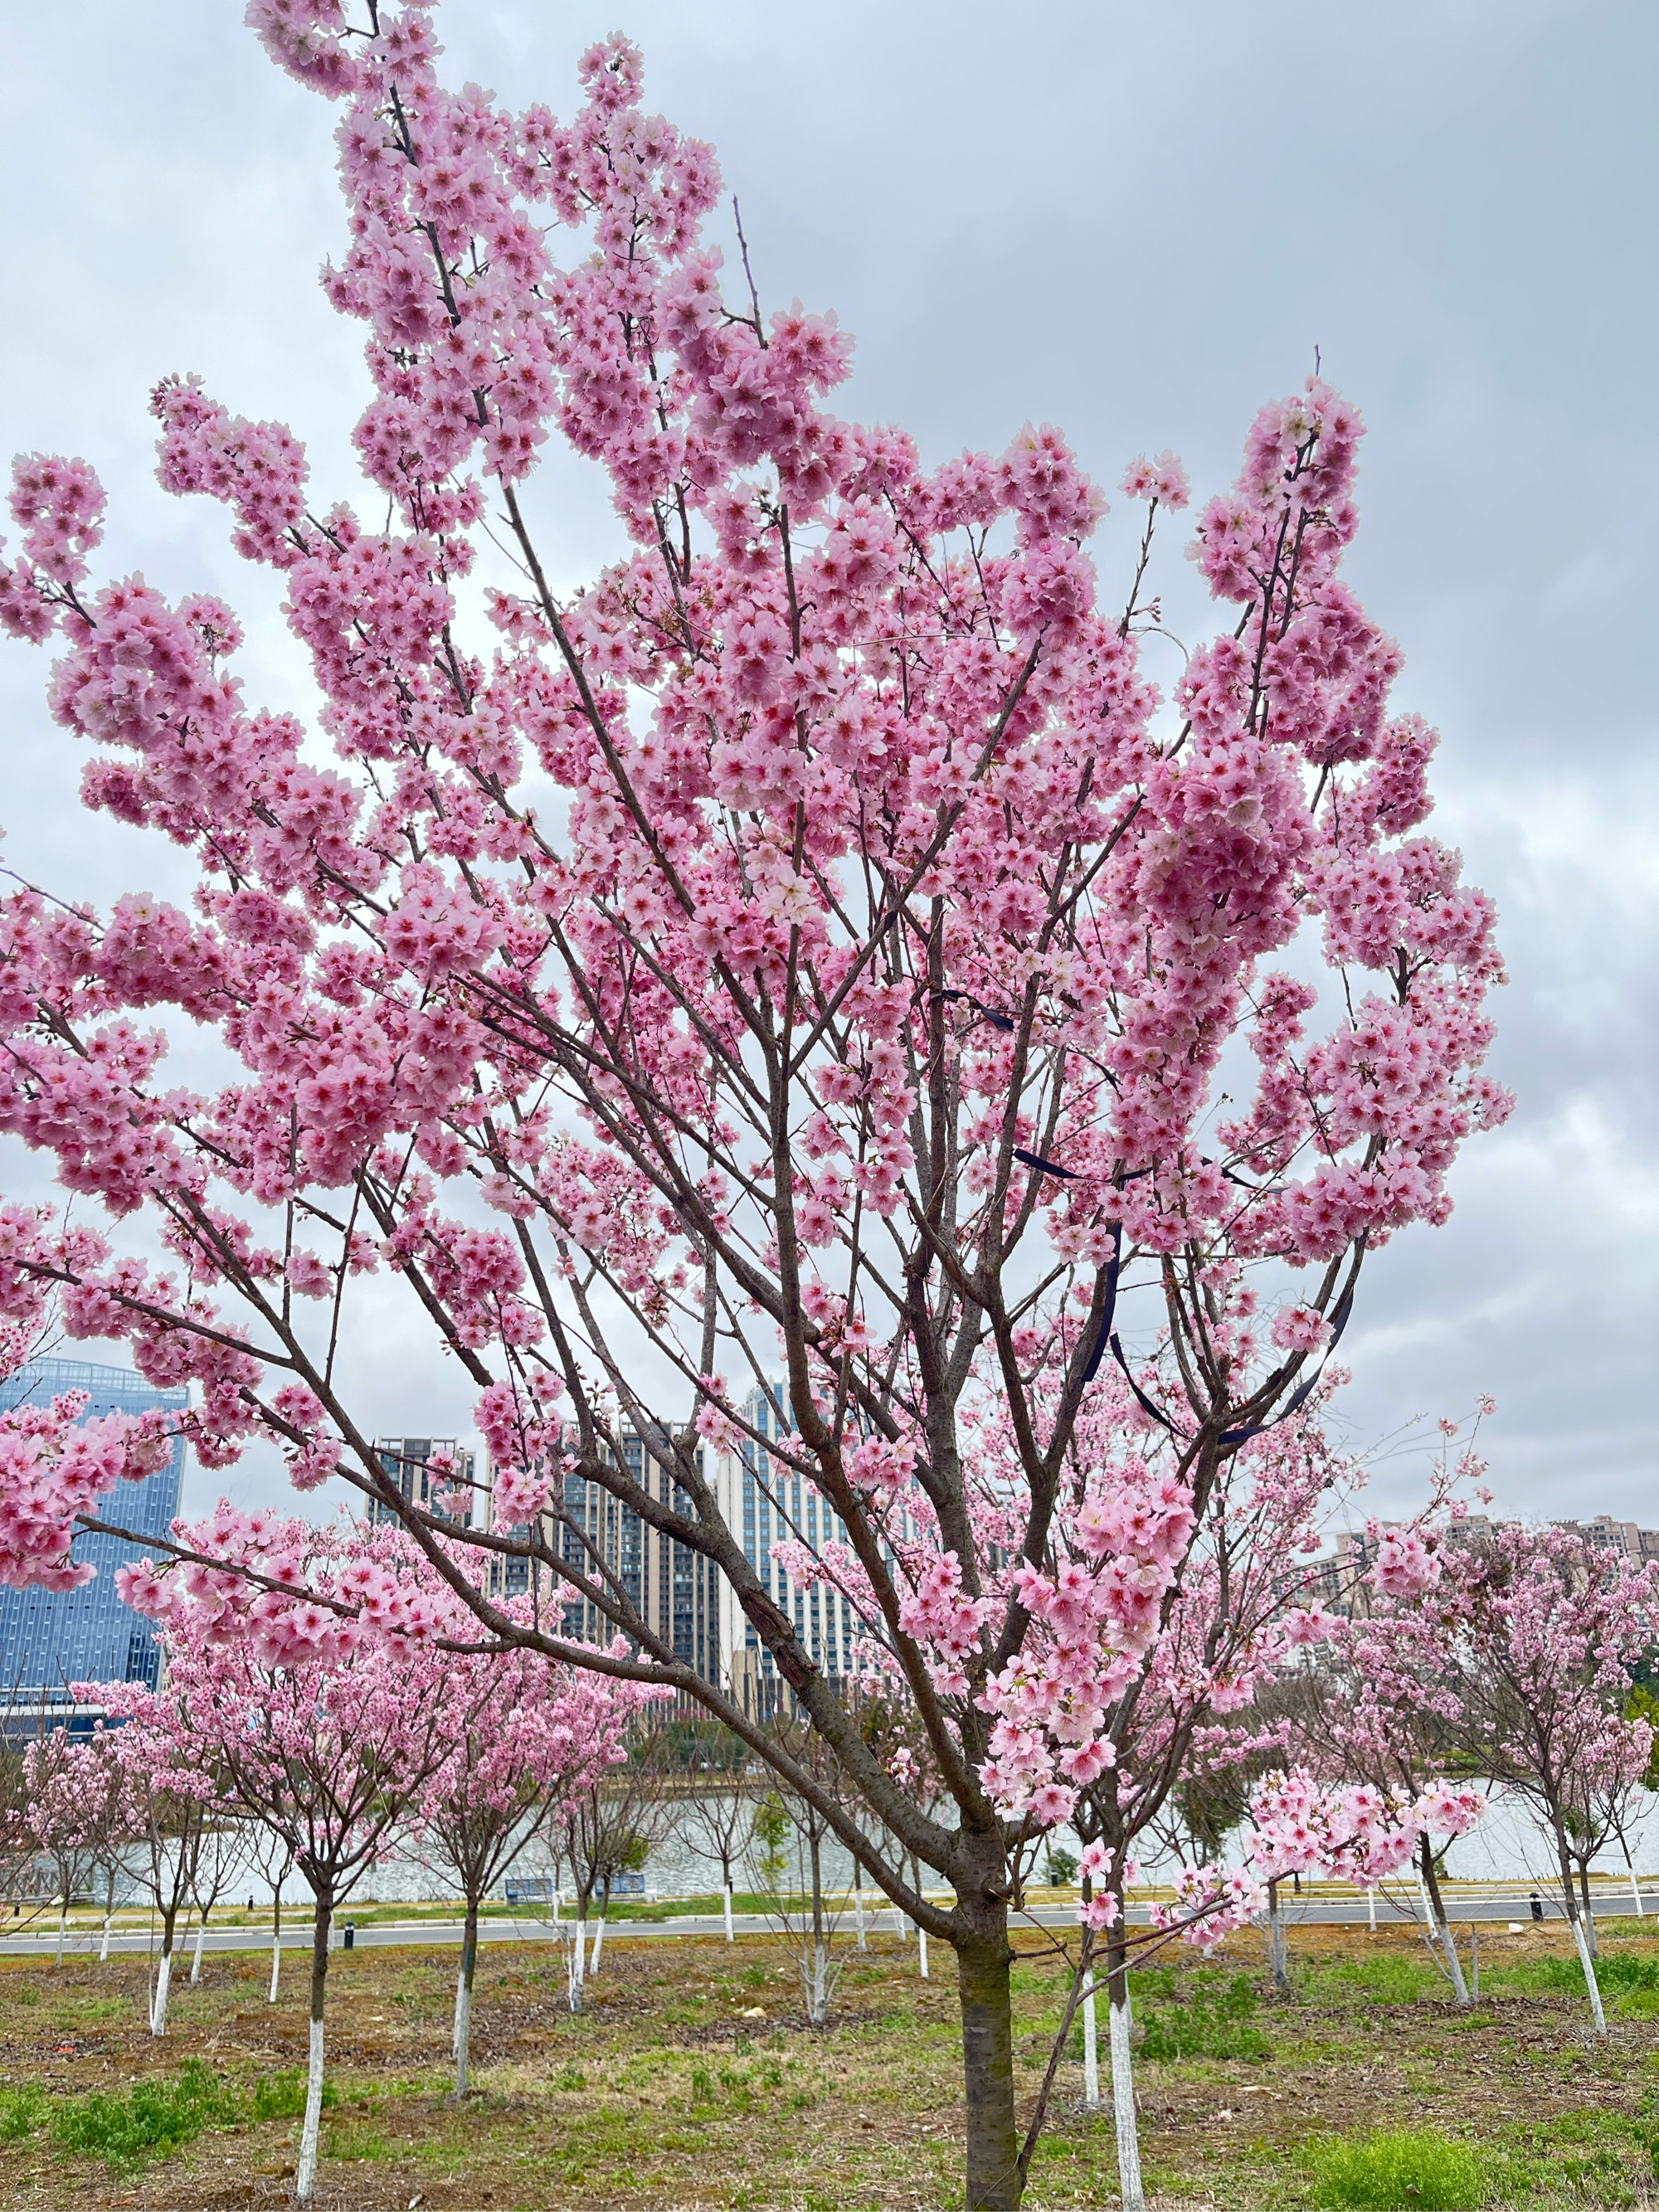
(692, 2081)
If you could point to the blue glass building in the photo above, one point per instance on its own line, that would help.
(51, 1637)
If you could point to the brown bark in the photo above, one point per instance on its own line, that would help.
(983, 1961)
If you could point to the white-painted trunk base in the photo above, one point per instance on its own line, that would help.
(922, 1936)
(1131, 2189)
(730, 1936)
(195, 1963)
(1591, 1982)
(158, 2010)
(599, 1946)
(276, 1967)
(463, 2032)
(1090, 2049)
(858, 1914)
(304, 2180)
(1460, 1987)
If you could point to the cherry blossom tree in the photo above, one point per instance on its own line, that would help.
(269, 1851)
(604, 1832)
(713, 1815)
(816, 946)
(171, 1803)
(534, 1737)
(324, 1734)
(70, 1794)
(1381, 1701)
(1554, 1626)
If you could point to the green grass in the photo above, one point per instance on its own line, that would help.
(356, 2140)
(1402, 2170)
(1389, 1978)
(1201, 2013)
(22, 2111)
(1618, 1973)
(281, 2095)
(150, 2119)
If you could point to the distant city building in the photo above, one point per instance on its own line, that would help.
(408, 1461)
(1631, 1543)
(674, 1589)
(770, 1503)
(49, 1638)
(1340, 1581)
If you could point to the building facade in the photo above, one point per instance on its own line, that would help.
(49, 1638)
(408, 1461)
(765, 1503)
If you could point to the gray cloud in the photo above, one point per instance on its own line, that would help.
(1137, 224)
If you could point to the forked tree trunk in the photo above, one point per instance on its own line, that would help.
(983, 1962)
(304, 2180)
(1130, 2191)
(1442, 1929)
(1586, 1957)
(464, 1996)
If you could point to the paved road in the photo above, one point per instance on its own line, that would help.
(42, 1941)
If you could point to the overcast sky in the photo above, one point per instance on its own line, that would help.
(1137, 224)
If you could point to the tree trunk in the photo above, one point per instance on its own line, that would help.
(816, 1995)
(598, 1937)
(858, 1904)
(983, 1961)
(1635, 1885)
(158, 2010)
(1090, 2049)
(1278, 1949)
(921, 1933)
(578, 1954)
(276, 1944)
(1589, 1910)
(1585, 1958)
(1436, 1907)
(464, 1996)
(1130, 2191)
(195, 1963)
(62, 1922)
(109, 1914)
(304, 2180)
(730, 1936)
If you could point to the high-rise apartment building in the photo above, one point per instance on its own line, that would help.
(767, 1503)
(408, 1461)
(49, 1638)
(675, 1589)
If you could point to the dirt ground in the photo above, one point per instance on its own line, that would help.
(693, 2081)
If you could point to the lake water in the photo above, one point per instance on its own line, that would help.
(1506, 1846)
